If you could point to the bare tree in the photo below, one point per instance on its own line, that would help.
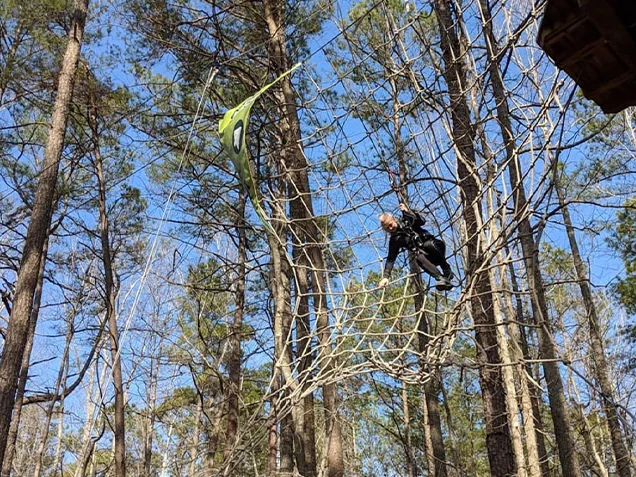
(600, 368)
(110, 295)
(560, 416)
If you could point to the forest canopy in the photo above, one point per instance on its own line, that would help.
(163, 315)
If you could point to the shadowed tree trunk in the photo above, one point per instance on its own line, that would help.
(18, 328)
(234, 365)
(498, 442)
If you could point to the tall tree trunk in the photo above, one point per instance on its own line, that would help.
(428, 441)
(24, 371)
(558, 406)
(507, 368)
(533, 388)
(411, 468)
(306, 427)
(49, 412)
(286, 443)
(287, 403)
(272, 445)
(234, 364)
(498, 442)
(110, 302)
(299, 195)
(527, 409)
(285, 382)
(600, 366)
(215, 411)
(17, 330)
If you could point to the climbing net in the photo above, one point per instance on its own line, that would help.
(377, 130)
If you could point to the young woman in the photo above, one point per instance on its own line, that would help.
(409, 233)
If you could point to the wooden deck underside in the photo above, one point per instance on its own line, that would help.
(594, 42)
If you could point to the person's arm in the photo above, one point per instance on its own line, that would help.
(414, 219)
(394, 249)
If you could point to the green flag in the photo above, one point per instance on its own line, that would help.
(233, 128)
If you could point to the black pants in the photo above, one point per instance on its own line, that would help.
(431, 256)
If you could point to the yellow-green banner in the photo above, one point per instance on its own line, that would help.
(233, 129)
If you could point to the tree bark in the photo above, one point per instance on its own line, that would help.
(498, 442)
(527, 408)
(533, 389)
(507, 370)
(271, 446)
(305, 444)
(558, 406)
(21, 314)
(212, 436)
(411, 468)
(24, 371)
(600, 365)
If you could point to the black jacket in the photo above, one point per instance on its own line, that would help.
(410, 234)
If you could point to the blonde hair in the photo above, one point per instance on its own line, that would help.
(384, 218)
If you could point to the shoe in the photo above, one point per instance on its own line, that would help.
(444, 284)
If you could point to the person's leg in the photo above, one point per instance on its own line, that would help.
(436, 251)
(426, 265)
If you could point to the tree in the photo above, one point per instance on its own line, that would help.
(623, 241)
(565, 440)
(498, 441)
(17, 332)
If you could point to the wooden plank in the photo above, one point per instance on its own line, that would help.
(581, 53)
(604, 16)
(611, 84)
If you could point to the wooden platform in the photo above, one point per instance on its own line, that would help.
(594, 42)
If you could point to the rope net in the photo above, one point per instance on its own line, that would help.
(376, 129)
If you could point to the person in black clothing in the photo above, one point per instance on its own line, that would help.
(409, 233)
